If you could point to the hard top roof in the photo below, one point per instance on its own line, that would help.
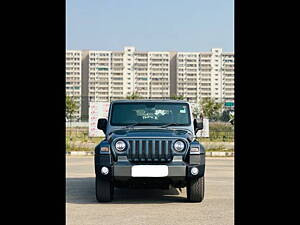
(149, 100)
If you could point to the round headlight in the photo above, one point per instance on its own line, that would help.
(179, 146)
(120, 145)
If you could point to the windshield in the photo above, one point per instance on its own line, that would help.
(150, 114)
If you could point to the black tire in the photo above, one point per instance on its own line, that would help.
(104, 190)
(195, 190)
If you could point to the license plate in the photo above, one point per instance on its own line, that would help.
(149, 171)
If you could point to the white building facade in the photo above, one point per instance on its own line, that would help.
(104, 76)
(73, 78)
(205, 75)
(116, 75)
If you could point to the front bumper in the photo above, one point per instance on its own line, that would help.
(178, 170)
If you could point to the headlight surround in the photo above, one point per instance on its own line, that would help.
(179, 146)
(120, 145)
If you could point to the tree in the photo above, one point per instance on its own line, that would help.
(210, 108)
(228, 116)
(71, 108)
(196, 111)
(134, 96)
(225, 116)
(177, 97)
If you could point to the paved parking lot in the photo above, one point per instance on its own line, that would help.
(137, 207)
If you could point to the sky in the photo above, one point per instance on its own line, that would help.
(150, 25)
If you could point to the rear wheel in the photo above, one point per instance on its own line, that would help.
(104, 190)
(195, 190)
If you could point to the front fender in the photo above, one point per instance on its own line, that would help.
(102, 158)
(196, 157)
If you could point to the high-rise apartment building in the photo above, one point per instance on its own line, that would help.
(228, 76)
(103, 76)
(73, 78)
(116, 75)
(205, 75)
(99, 76)
(159, 75)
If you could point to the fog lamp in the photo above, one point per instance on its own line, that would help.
(104, 170)
(194, 171)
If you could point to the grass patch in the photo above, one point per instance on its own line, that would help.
(77, 139)
(72, 148)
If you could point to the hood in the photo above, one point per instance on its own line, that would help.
(147, 132)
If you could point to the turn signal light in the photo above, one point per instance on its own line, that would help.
(104, 149)
(195, 149)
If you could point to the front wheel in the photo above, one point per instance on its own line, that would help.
(104, 190)
(195, 190)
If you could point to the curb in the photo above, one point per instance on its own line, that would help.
(222, 154)
(80, 153)
(208, 154)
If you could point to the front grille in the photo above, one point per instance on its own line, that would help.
(150, 150)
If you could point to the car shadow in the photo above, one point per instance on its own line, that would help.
(82, 191)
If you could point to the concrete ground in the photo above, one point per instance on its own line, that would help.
(138, 207)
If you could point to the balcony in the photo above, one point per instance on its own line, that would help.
(117, 84)
(102, 68)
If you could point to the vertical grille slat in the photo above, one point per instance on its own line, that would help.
(150, 150)
(156, 150)
(147, 150)
(166, 149)
(169, 150)
(153, 150)
(141, 150)
(133, 149)
(159, 150)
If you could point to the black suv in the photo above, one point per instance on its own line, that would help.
(150, 143)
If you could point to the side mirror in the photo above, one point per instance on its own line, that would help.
(198, 125)
(101, 125)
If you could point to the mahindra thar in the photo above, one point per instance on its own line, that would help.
(152, 144)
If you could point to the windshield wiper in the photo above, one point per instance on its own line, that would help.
(171, 124)
(137, 124)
